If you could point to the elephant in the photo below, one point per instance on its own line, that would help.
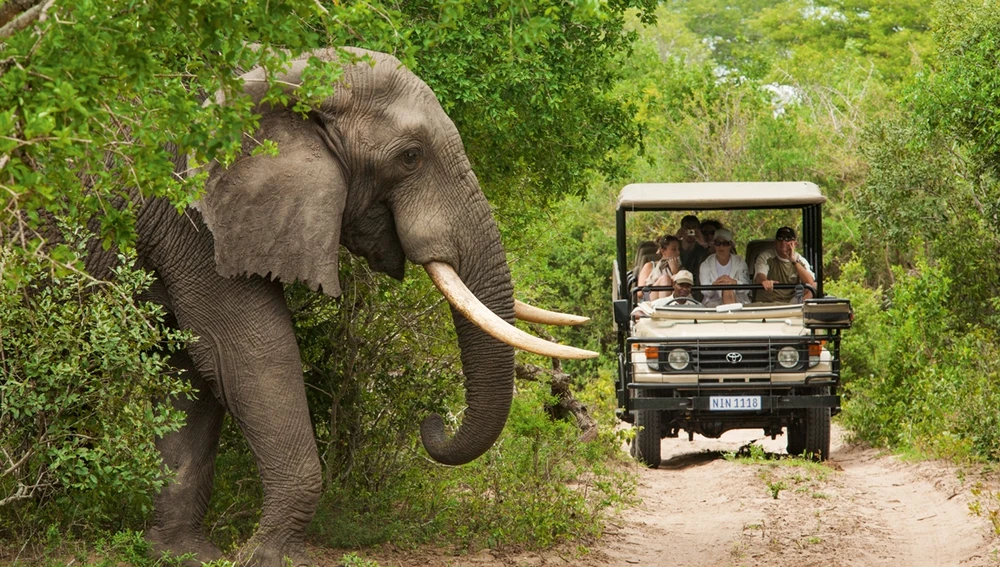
(378, 168)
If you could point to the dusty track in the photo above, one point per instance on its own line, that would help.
(867, 510)
(699, 509)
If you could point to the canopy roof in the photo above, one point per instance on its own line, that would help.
(726, 195)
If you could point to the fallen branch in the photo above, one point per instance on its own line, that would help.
(35, 13)
(10, 9)
(567, 405)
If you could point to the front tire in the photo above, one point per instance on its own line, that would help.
(810, 436)
(646, 444)
(818, 433)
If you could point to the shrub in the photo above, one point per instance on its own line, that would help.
(83, 393)
(915, 377)
(537, 486)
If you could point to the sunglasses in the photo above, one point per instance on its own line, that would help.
(722, 243)
(786, 239)
(708, 232)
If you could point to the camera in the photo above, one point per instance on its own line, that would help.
(690, 232)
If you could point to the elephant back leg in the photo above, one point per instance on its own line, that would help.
(246, 350)
(190, 454)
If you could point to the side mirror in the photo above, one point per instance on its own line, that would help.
(621, 311)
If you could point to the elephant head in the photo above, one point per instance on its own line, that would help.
(380, 168)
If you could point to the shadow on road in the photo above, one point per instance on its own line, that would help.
(696, 459)
(688, 460)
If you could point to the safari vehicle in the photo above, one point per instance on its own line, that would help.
(711, 370)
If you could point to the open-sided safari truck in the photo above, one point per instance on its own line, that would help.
(736, 366)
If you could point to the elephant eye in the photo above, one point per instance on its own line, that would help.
(411, 157)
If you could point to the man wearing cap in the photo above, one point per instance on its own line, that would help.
(683, 280)
(724, 267)
(783, 265)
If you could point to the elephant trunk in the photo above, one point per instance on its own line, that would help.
(488, 364)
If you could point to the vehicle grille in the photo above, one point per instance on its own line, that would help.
(729, 358)
(719, 359)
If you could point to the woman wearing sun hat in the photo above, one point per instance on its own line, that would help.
(725, 267)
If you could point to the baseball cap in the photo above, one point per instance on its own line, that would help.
(684, 276)
(785, 233)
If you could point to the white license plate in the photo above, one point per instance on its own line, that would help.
(734, 403)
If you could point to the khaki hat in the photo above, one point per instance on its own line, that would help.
(684, 276)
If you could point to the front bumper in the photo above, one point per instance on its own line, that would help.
(768, 403)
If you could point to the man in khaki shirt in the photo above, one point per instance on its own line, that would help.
(783, 265)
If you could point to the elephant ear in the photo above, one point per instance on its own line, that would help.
(279, 216)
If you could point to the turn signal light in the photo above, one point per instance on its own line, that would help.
(816, 348)
(652, 352)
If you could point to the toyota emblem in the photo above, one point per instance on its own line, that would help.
(734, 357)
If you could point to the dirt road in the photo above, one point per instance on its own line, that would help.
(863, 509)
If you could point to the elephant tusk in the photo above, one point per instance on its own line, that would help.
(463, 300)
(533, 314)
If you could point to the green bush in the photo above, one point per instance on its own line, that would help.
(537, 486)
(915, 377)
(84, 383)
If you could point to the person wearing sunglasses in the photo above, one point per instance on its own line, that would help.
(725, 267)
(708, 229)
(782, 265)
(660, 271)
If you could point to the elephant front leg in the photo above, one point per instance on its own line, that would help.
(190, 454)
(246, 348)
(270, 407)
(256, 366)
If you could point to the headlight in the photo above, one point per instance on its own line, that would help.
(788, 357)
(678, 359)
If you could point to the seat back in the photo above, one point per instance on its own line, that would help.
(647, 251)
(754, 248)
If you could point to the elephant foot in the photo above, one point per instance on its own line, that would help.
(260, 554)
(182, 544)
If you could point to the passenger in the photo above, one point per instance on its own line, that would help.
(683, 280)
(662, 269)
(693, 246)
(725, 267)
(708, 229)
(782, 265)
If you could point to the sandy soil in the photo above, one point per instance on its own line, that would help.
(699, 509)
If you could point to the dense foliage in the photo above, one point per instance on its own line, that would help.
(918, 378)
(97, 96)
(933, 173)
(84, 393)
(889, 106)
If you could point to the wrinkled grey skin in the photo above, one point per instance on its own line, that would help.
(378, 168)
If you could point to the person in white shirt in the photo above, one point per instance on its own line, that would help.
(724, 268)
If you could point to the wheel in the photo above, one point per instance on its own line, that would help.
(818, 433)
(646, 444)
(811, 434)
